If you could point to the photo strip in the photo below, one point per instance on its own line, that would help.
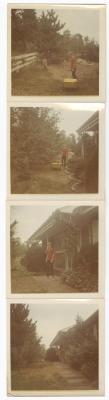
(55, 249)
(56, 51)
(55, 208)
(55, 348)
(56, 149)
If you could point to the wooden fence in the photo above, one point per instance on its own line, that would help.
(23, 60)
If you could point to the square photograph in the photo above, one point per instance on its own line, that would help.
(56, 149)
(55, 348)
(55, 248)
(57, 50)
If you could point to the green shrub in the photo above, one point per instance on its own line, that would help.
(34, 259)
(76, 166)
(84, 357)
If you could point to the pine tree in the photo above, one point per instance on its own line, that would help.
(50, 40)
(25, 343)
(35, 141)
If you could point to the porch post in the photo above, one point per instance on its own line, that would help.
(66, 262)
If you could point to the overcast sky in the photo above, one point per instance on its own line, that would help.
(30, 218)
(52, 317)
(82, 20)
(70, 120)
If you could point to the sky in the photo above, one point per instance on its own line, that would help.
(52, 317)
(30, 218)
(84, 21)
(70, 120)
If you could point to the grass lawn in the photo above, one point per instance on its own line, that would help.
(34, 81)
(43, 182)
(31, 283)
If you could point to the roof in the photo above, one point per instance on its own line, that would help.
(64, 332)
(76, 216)
(91, 124)
(90, 320)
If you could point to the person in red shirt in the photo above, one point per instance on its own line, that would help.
(64, 157)
(50, 258)
(73, 66)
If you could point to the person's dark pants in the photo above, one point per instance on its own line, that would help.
(74, 73)
(49, 269)
(64, 161)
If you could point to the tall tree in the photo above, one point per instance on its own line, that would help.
(24, 30)
(35, 140)
(49, 35)
(25, 343)
(31, 33)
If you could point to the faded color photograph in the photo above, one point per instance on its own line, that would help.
(54, 249)
(54, 347)
(54, 150)
(55, 50)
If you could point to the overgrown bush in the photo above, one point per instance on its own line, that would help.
(34, 259)
(84, 356)
(84, 274)
(76, 166)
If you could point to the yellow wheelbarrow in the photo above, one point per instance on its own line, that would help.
(56, 165)
(70, 83)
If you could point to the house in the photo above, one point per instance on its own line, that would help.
(78, 346)
(91, 129)
(68, 335)
(88, 137)
(72, 230)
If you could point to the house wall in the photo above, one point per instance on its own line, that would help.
(85, 237)
(89, 234)
(62, 344)
(95, 231)
(95, 331)
(92, 331)
(60, 261)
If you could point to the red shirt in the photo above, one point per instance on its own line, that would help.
(50, 255)
(72, 62)
(65, 152)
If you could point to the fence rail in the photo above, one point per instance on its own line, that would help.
(23, 60)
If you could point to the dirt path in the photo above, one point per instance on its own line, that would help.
(52, 181)
(49, 376)
(25, 282)
(33, 81)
